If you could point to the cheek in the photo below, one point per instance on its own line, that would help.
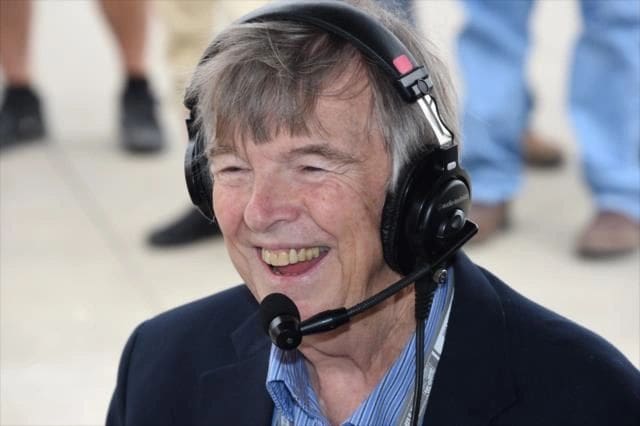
(348, 212)
(229, 210)
(228, 207)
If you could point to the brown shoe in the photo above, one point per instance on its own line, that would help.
(609, 234)
(541, 153)
(490, 218)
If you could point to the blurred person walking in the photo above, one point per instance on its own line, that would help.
(604, 106)
(189, 26)
(21, 117)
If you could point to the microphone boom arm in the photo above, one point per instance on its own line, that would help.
(329, 320)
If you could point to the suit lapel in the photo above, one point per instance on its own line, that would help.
(236, 393)
(473, 381)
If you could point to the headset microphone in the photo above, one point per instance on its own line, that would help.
(281, 319)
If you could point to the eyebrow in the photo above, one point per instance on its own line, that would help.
(221, 150)
(322, 150)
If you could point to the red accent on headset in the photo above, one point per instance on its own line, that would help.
(403, 64)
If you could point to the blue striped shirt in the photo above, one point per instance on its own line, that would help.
(294, 398)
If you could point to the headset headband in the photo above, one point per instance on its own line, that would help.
(374, 40)
(344, 20)
(412, 81)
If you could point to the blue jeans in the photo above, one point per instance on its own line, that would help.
(604, 101)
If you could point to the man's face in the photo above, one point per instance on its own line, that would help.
(301, 215)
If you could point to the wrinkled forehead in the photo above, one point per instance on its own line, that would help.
(342, 109)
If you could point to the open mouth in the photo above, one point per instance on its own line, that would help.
(293, 261)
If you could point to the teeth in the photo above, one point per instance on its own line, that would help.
(289, 257)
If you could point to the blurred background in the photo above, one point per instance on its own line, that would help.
(77, 273)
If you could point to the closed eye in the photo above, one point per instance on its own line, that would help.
(232, 169)
(312, 169)
(231, 174)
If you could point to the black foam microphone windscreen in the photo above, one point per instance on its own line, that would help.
(281, 321)
(275, 305)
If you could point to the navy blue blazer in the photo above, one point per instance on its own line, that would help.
(506, 361)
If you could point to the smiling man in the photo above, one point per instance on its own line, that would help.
(332, 174)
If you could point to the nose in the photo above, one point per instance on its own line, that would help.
(273, 202)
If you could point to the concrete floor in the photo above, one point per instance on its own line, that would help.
(76, 275)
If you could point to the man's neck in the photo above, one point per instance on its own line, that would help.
(346, 365)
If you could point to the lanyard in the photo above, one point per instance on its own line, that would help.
(434, 349)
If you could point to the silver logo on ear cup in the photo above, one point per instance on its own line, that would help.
(453, 202)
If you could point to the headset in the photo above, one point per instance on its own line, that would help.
(427, 211)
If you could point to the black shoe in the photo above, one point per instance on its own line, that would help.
(20, 117)
(139, 129)
(187, 229)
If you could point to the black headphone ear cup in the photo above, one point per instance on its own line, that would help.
(198, 177)
(426, 211)
(434, 220)
(393, 223)
(389, 226)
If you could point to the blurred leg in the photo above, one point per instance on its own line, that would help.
(492, 49)
(139, 128)
(605, 105)
(15, 20)
(605, 109)
(128, 20)
(20, 112)
(189, 25)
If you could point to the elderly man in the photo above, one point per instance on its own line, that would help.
(333, 175)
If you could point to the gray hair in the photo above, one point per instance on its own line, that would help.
(259, 79)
